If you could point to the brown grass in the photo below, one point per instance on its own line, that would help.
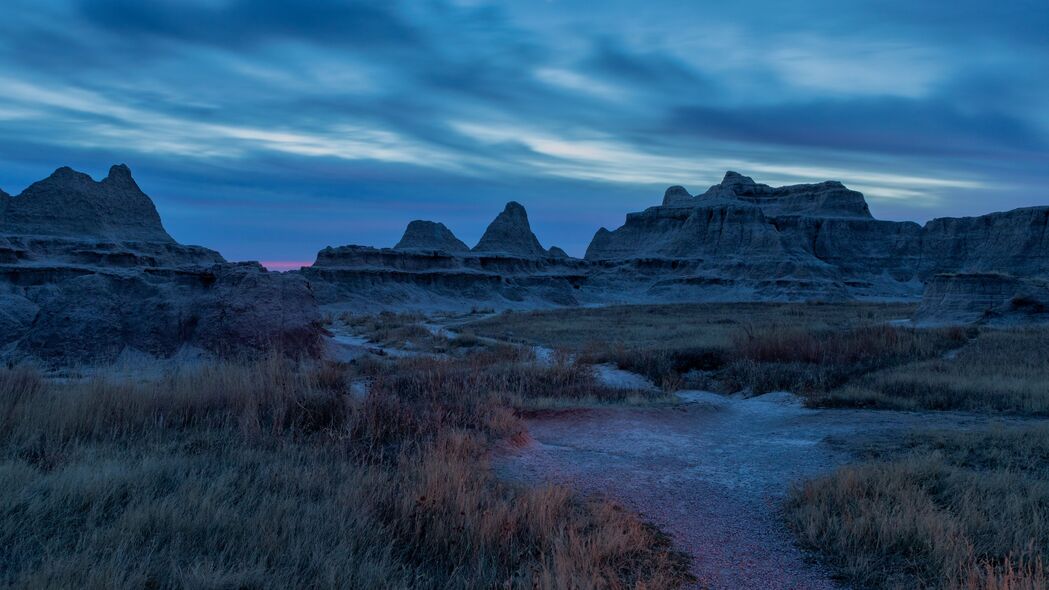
(954, 510)
(691, 345)
(1000, 370)
(813, 362)
(675, 326)
(269, 475)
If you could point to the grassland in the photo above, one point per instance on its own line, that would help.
(959, 510)
(677, 326)
(271, 474)
(943, 510)
(998, 370)
(836, 355)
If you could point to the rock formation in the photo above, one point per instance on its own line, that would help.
(429, 235)
(87, 271)
(70, 203)
(510, 233)
(738, 240)
(426, 270)
(984, 298)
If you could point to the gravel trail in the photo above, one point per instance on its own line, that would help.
(711, 472)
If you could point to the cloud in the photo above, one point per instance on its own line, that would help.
(270, 128)
(883, 125)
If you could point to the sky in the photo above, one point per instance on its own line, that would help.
(270, 129)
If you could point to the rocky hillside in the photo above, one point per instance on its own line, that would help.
(87, 270)
(87, 273)
(70, 203)
(432, 269)
(738, 240)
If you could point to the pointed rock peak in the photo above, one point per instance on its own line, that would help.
(555, 252)
(515, 209)
(735, 178)
(430, 235)
(510, 233)
(120, 174)
(676, 194)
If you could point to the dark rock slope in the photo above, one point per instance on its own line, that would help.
(738, 240)
(70, 203)
(511, 234)
(87, 272)
(429, 270)
(985, 298)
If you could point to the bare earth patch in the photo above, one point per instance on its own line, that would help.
(712, 472)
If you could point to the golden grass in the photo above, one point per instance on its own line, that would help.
(812, 362)
(954, 510)
(1000, 370)
(270, 475)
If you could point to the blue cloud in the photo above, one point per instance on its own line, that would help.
(269, 129)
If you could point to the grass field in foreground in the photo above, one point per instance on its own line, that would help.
(272, 474)
(944, 510)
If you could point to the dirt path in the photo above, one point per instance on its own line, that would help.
(711, 472)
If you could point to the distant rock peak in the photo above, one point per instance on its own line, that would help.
(120, 174)
(430, 235)
(510, 233)
(676, 194)
(825, 199)
(733, 178)
(72, 204)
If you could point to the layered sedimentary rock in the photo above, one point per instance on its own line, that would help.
(738, 240)
(70, 203)
(87, 271)
(508, 268)
(743, 240)
(986, 298)
(1014, 242)
(429, 235)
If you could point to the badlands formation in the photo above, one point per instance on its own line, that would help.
(737, 241)
(87, 271)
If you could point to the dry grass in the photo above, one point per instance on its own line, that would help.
(681, 345)
(396, 330)
(812, 362)
(269, 475)
(958, 510)
(676, 326)
(1000, 370)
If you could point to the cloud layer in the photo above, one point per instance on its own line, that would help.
(268, 129)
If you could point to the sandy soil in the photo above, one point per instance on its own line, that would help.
(711, 472)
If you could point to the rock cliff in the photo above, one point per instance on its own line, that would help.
(738, 240)
(70, 203)
(87, 272)
(508, 269)
(812, 240)
(984, 298)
